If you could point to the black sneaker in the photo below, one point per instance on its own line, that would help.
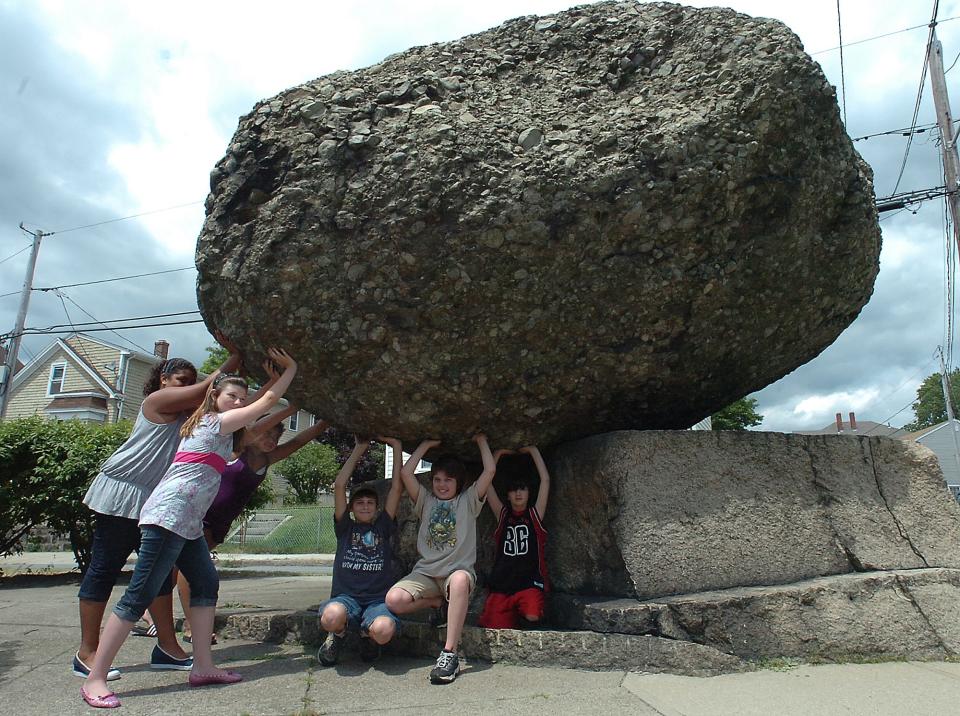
(438, 617)
(369, 650)
(447, 668)
(329, 652)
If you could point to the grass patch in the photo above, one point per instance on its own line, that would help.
(308, 531)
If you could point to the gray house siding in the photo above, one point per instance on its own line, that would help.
(940, 440)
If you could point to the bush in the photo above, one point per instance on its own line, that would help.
(45, 469)
(371, 464)
(310, 469)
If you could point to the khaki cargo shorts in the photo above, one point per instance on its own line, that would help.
(420, 586)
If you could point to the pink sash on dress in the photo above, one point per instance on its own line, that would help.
(206, 458)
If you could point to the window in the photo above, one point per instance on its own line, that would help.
(294, 421)
(58, 372)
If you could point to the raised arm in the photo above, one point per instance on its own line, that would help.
(406, 474)
(303, 437)
(272, 376)
(343, 477)
(489, 465)
(493, 499)
(534, 452)
(233, 420)
(396, 482)
(266, 423)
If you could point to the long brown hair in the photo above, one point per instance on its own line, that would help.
(209, 404)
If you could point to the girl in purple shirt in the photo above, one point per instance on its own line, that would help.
(172, 530)
(240, 480)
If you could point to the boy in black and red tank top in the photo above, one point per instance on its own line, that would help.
(519, 580)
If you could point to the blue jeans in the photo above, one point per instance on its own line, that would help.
(114, 540)
(361, 615)
(160, 550)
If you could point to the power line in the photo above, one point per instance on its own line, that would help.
(905, 131)
(903, 199)
(96, 322)
(843, 81)
(80, 347)
(135, 345)
(886, 421)
(916, 107)
(952, 63)
(124, 218)
(880, 37)
(16, 254)
(28, 332)
(108, 280)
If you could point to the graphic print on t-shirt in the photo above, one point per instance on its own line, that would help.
(364, 554)
(442, 531)
(516, 540)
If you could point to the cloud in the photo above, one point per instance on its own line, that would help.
(117, 108)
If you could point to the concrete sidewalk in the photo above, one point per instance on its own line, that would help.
(38, 635)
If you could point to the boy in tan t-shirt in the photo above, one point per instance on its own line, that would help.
(447, 544)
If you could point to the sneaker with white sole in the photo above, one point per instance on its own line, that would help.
(447, 668)
(162, 661)
(83, 671)
(329, 652)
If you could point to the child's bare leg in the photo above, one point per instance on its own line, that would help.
(91, 617)
(334, 619)
(400, 601)
(202, 634)
(161, 609)
(382, 630)
(114, 634)
(458, 592)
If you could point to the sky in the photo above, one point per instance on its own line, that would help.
(114, 109)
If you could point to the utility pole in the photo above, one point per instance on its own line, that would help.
(951, 162)
(13, 347)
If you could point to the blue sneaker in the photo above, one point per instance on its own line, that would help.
(161, 660)
(83, 671)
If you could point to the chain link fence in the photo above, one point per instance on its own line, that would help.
(286, 529)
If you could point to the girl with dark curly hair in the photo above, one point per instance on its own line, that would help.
(117, 495)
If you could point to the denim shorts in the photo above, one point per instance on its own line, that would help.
(114, 540)
(160, 550)
(361, 615)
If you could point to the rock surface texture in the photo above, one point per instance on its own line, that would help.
(619, 216)
(650, 514)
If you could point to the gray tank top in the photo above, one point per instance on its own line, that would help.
(128, 476)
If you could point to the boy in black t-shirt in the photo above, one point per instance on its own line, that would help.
(518, 581)
(363, 568)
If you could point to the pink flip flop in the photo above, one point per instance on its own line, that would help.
(229, 677)
(107, 701)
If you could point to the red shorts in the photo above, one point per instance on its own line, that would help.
(503, 611)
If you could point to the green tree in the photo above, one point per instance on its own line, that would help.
(309, 470)
(45, 469)
(930, 408)
(739, 415)
(216, 356)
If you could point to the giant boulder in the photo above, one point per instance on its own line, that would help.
(618, 216)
